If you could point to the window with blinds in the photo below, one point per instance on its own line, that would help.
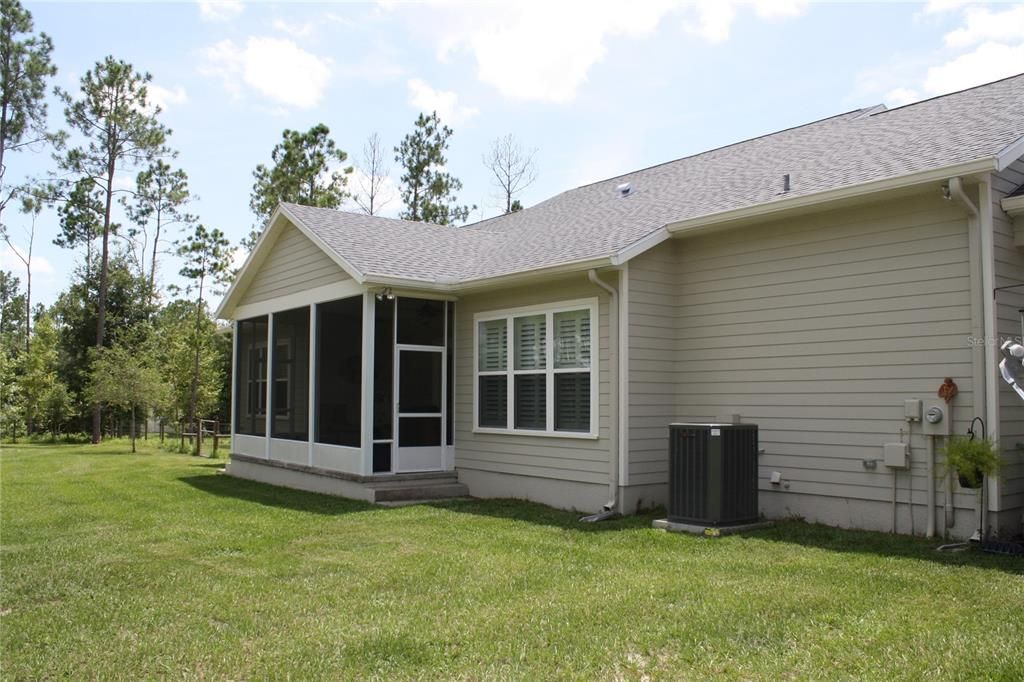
(542, 379)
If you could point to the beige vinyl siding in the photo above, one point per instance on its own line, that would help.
(1009, 270)
(652, 348)
(294, 264)
(583, 460)
(816, 328)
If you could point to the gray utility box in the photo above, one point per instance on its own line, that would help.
(712, 471)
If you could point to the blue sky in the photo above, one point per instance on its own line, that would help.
(598, 88)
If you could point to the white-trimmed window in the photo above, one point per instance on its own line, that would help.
(535, 370)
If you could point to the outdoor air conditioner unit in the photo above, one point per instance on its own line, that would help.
(712, 474)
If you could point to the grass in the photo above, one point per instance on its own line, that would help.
(154, 565)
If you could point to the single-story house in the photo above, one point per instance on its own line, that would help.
(810, 281)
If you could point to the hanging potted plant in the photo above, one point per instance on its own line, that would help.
(972, 459)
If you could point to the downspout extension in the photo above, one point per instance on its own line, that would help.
(611, 508)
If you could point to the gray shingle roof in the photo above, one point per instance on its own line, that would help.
(593, 221)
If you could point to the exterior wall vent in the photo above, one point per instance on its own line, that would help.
(712, 474)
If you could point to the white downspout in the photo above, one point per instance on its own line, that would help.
(984, 222)
(613, 399)
(988, 275)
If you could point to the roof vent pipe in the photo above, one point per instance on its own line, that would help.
(785, 183)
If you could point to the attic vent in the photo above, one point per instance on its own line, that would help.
(625, 189)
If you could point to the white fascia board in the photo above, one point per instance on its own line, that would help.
(321, 294)
(524, 276)
(1013, 206)
(1009, 154)
(470, 285)
(849, 192)
(641, 245)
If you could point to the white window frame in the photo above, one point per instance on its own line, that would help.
(548, 310)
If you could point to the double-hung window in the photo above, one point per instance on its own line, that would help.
(535, 370)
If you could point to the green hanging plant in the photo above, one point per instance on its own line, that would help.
(972, 460)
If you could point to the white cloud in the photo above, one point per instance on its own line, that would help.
(9, 260)
(983, 26)
(779, 9)
(989, 62)
(940, 6)
(220, 10)
(714, 18)
(900, 96)
(273, 67)
(162, 97)
(379, 65)
(124, 182)
(238, 257)
(997, 39)
(294, 30)
(544, 51)
(445, 102)
(713, 21)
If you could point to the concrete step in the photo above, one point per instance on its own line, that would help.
(419, 490)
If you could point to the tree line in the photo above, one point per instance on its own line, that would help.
(119, 345)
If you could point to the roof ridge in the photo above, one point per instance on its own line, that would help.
(949, 94)
(418, 223)
(724, 146)
(860, 111)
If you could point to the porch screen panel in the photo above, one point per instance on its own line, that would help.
(289, 397)
(251, 377)
(420, 322)
(450, 357)
(339, 372)
(383, 368)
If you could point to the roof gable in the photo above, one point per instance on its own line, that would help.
(287, 259)
(293, 264)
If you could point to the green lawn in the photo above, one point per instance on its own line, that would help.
(154, 565)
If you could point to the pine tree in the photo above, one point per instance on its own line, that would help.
(307, 169)
(428, 190)
(118, 128)
(160, 196)
(207, 257)
(25, 66)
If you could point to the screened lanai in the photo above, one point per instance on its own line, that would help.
(359, 385)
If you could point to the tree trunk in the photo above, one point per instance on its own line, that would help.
(3, 122)
(101, 305)
(28, 296)
(133, 428)
(152, 263)
(194, 397)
